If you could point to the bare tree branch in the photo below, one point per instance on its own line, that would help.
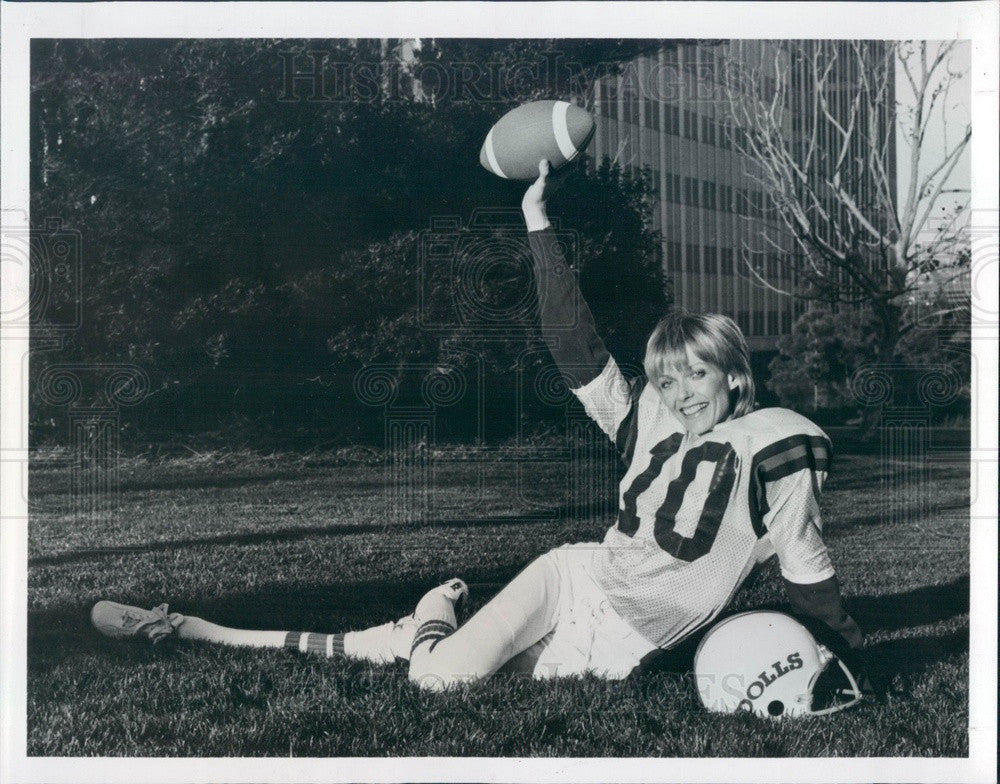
(837, 221)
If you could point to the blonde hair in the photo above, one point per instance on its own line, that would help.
(712, 338)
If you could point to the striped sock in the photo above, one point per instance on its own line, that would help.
(329, 645)
(433, 632)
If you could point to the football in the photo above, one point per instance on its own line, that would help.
(555, 130)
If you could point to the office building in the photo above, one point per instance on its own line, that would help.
(668, 110)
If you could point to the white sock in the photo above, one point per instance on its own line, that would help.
(192, 628)
(435, 614)
(374, 644)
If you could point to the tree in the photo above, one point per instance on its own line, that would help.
(239, 240)
(829, 166)
(818, 363)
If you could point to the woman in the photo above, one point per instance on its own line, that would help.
(712, 488)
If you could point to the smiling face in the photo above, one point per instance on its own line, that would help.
(696, 391)
(700, 366)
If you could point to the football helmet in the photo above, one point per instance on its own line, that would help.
(767, 663)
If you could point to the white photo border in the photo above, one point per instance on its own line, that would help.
(22, 21)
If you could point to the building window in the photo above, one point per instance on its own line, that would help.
(673, 120)
(758, 323)
(668, 188)
(711, 266)
(708, 132)
(652, 114)
(726, 198)
(742, 202)
(693, 266)
(709, 195)
(743, 320)
(786, 322)
(690, 125)
(691, 191)
(772, 322)
(674, 256)
(727, 261)
(725, 136)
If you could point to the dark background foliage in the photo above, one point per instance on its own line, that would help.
(829, 350)
(250, 244)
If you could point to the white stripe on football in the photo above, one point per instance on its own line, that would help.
(555, 130)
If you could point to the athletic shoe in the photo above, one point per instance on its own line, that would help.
(120, 621)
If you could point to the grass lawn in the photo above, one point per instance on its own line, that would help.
(311, 543)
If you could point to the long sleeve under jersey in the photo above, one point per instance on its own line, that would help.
(567, 323)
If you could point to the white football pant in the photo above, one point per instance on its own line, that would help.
(552, 620)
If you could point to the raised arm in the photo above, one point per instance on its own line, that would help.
(567, 323)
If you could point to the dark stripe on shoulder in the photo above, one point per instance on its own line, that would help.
(780, 459)
(628, 430)
(792, 454)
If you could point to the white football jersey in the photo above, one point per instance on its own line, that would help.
(696, 513)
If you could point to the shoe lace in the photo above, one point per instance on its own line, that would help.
(157, 624)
